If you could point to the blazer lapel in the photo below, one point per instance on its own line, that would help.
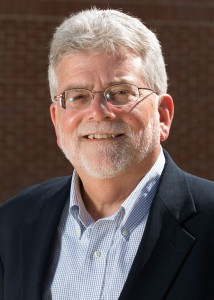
(165, 243)
(36, 241)
(164, 246)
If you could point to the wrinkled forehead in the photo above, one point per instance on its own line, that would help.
(93, 67)
(99, 59)
(119, 54)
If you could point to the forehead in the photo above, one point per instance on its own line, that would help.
(91, 68)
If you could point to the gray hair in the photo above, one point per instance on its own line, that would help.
(108, 31)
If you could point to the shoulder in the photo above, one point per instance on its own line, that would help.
(33, 197)
(202, 190)
(195, 183)
(199, 184)
(178, 182)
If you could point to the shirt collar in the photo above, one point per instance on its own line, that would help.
(77, 207)
(133, 209)
(146, 184)
(138, 203)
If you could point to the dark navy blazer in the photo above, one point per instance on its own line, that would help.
(175, 259)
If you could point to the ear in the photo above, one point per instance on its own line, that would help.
(166, 112)
(54, 118)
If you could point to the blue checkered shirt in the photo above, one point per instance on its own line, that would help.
(91, 259)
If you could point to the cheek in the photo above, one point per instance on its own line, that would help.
(138, 118)
(69, 121)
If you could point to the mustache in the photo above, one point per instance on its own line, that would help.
(115, 127)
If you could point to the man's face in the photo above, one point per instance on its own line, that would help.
(103, 141)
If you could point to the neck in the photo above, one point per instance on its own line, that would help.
(103, 197)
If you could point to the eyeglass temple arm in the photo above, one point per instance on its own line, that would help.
(140, 101)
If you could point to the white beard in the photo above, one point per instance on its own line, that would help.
(101, 161)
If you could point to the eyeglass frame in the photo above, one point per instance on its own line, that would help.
(61, 96)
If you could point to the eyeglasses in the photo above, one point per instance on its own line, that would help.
(118, 95)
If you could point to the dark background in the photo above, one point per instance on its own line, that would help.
(28, 151)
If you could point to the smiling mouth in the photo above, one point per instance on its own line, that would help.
(102, 136)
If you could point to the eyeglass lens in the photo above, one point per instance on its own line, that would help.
(117, 95)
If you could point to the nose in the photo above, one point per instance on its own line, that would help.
(100, 109)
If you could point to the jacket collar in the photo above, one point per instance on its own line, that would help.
(165, 243)
(37, 238)
(164, 246)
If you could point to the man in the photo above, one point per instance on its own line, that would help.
(128, 224)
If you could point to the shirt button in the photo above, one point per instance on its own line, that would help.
(78, 232)
(125, 232)
(97, 254)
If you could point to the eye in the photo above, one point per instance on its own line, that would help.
(75, 98)
(77, 95)
(125, 90)
(122, 92)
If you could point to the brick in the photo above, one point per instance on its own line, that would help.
(28, 151)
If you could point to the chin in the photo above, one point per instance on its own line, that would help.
(106, 169)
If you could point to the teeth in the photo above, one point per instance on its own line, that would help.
(100, 136)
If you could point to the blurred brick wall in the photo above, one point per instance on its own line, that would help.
(28, 151)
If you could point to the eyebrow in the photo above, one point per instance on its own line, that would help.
(114, 81)
(120, 80)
